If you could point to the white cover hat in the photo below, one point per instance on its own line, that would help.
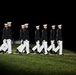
(37, 26)
(45, 25)
(26, 24)
(9, 22)
(53, 26)
(22, 25)
(5, 24)
(60, 25)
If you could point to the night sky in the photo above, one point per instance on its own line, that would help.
(35, 15)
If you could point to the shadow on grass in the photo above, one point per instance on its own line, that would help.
(5, 70)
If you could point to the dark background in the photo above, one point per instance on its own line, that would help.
(40, 13)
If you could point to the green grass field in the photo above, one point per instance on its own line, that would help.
(35, 64)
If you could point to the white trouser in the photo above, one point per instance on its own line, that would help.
(21, 47)
(36, 46)
(4, 46)
(59, 47)
(44, 45)
(27, 46)
(9, 46)
(52, 46)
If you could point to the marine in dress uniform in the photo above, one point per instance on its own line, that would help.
(21, 47)
(4, 46)
(37, 39)
(44, 39)
(59, 40)
(26, 42)
(6, 39)
(52, 39)
(10, 38)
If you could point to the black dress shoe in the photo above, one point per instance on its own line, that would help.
(48, 51)
(24, 52)
(41, 52)
(32, 51)
(20, 52)
(38, 53)
(17, 51)
(6, 51)
(55, 52)
(3, 52)
(30, 48)
(0, 51)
